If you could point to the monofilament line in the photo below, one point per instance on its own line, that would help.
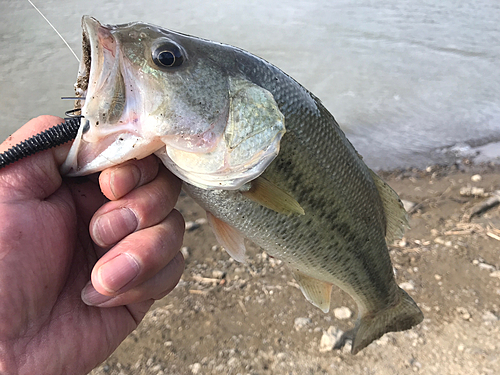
(60, 36)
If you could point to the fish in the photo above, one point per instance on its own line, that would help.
(256, 150)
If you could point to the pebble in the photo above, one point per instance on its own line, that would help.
(468, 191)
(347, 348)
(301, 323)
(437, 277)
(476, 178)
(218, 274)
(195, 368)
(488, 316)
(383, 341)
(192, 225)
(408, 205)
(330, 338)
(439, 240)
(407, 285)
(487, 267)
(342, 313)
(495, 274)
(185, 252)
(232, 362)
(280, 356)
(464, 314)
(201, 221)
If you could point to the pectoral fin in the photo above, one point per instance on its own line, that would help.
(228, 237)
(271, 196)
(316, 291)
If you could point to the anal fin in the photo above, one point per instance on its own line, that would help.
(271, 196)
(316, 291)
(228, 237)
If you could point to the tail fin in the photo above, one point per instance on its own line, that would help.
(400, 317)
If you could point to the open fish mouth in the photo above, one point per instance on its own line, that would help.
(106, 129)
(99, 72)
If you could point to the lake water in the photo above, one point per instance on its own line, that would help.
(411, 82)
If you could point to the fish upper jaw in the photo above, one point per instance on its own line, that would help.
(111, 121)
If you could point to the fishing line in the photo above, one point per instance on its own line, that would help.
(52, 137)
(57, 32)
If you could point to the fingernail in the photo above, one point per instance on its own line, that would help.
(91, 297)
(123, 179)
(118, 272)
(113, 226)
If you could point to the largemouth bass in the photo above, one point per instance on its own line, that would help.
(256, 150)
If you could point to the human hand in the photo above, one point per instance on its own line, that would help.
(59, 232)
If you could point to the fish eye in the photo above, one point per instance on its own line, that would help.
(168, 55)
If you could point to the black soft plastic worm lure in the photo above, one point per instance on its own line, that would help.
(52, 137)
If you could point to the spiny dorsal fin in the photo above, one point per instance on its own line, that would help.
(271, 196)
(316, 291)
(395, 213)
(228, 237)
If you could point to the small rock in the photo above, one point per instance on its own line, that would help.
(342, 313)
(408, 205)
(407, 285)
(487, 267)
(464, 314)
(218, 274)
(468, 191)
(495, 274)
(185, 252)
(301, 323)
(476, 178)
(280, 356)
(461, 347)
(347, 348)
(488, 316)
(233, 362)
(192, 225)
(383, 341)
(195, 368)
(439, 240)
(330, 339)
(201, 221)
(437, 277)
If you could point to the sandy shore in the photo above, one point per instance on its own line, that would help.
(227, 318)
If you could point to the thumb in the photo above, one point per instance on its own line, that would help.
(35, 176)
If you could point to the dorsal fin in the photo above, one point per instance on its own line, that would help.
(395, 213)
